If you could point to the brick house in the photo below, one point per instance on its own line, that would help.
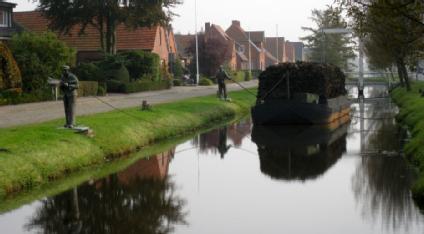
(290, 54)
(183, 43)
(299, 51)
(271, 45)
(215, 32)
(156, 39)
(7, 27)
(254, 49)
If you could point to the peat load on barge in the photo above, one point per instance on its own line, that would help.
(301, 93)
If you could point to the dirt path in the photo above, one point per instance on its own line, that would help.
(11, 116)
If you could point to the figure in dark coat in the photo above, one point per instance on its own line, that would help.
(69, 85)
(221, 76)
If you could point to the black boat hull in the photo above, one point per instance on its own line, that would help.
(283, 112)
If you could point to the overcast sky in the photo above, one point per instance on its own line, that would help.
(255, 15)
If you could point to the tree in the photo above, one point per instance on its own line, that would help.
(212, 54)
(329, 48)
(390, 30)
(106, 15)
(40, 56)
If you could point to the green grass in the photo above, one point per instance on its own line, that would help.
(411, 106)
(37, 154)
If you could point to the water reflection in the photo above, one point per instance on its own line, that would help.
(216, 141)
(141, 199)
(383, 178)
(299, 152)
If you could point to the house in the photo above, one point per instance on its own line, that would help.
(156, 39)
(215, 32)
(290, 53)
(7, 27)
(251, 43)
(299, 51)
(183, 42)
(271, 45)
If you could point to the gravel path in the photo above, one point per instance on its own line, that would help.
(23, 114)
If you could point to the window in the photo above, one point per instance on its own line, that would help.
(5, 18)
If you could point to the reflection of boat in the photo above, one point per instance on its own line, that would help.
(299, 152)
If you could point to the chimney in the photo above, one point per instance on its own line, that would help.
(207, 27)
(236, 22)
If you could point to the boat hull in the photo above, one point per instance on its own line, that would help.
(284, 112)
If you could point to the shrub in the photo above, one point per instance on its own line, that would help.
(40, 56)
(88, 88)
(142, 64)
(205, 81)
(177, 69)
(10, 75)
(138, 86)
(247, 76)
(177, 82)
(88, 72)
(102, 91)
(114, 86)
(120, 74)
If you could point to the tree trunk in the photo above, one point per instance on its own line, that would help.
(110, 35)
(400, 74)
(404, 72)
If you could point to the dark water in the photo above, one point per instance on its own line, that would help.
(352, 179)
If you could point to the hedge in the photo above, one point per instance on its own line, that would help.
(142, 64)
(10, 75)
(114, 86)
(88, 88)
(205, 82)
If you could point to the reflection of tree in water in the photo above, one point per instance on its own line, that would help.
(216, 141)
(382, 183)
(299, 152)
(112, 205)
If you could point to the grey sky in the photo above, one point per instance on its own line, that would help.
(261, 15)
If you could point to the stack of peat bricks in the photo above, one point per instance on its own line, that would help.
(325, 80)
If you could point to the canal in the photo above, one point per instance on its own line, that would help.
(350, 178)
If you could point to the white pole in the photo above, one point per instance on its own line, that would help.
(278, 59)
(250, 56)
(361, 64)
(197, 44)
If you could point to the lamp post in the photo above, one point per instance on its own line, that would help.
(197, 43)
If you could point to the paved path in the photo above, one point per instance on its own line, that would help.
(11, 116)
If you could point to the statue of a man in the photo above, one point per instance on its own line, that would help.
(221, 76)
(68, 86)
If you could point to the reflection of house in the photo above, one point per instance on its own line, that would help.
(237, 132)
(7, 27)
(156, 39)
(155, 167)
(215, 32)
(254, 49)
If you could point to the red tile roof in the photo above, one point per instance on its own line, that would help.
(127, 39)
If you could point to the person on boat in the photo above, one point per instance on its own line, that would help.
(221, 76)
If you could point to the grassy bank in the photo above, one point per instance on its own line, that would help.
(37, 154)
(411, 106)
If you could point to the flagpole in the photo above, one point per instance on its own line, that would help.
(197, 44)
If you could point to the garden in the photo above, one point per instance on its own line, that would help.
(28, 61)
